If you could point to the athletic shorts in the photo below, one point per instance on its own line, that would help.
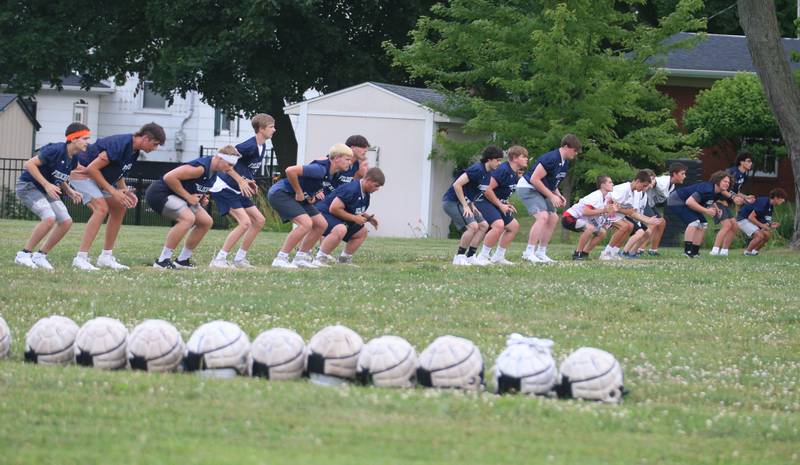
(747, 227)
(287, 207)
(534, 201)
(570, 223)
(687, 215)
(89, 190)
(637, 225)
(727, 213)
(651, 211)
(40, 203)
(456, 213)
(226, 200)
(333, 221)
(491, 213)
(164, 202)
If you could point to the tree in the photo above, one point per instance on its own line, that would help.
(760, 24)
(529, 71)
(241, 55)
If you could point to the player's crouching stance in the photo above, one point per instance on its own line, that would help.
(179, 196)
(755, 220)
(345, 210)
(627, 196)
(589, 218)
(689, 203)
(39, 187)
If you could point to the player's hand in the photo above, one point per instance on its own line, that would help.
(299, 196)
(246, 188)
(319, 195)
(505, 208)
(653, 221)
(713, 211)
(75, 196)
(360, 220)
(750, 198)
(738, 200)
(373, 221)
(468, 213)
(558, 201)
(121, 197)
(775, 225)
(203, 200)
(193, 200)
(53, 191)
(133, 200)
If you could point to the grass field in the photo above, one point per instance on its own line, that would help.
(710, 349)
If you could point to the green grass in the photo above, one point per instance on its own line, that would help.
(709, 348)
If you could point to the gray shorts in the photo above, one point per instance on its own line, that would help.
(747, 227)
(174, 205)
(287, 207)
(456, 212)
(534, 201)
(40, 204)
(89, 190)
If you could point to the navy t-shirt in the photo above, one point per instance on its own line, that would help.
(340, 178)
(56, 165)
(761, 206)
(738, 179)
(248, 164)
(354, 199)
(473, 189)
(202, 184)
(314, 174)
(120, 153)
(555, 167)
(506, 179)
(702, 192)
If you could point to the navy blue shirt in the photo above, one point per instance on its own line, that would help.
(202, 184)
(314, 174)
(761, 206)
(473, 190)
(340, 178)
(354, 199)
(737, 179)
(702, 192)
(506, 179)
(56, 165)
(249, 163)
(555, 167)
(118, 149)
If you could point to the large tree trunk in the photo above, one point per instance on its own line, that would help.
(283, 141)
(760, 25)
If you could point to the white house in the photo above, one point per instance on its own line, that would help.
(110, 109)
(402, 129)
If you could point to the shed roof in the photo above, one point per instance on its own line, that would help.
(8, 99)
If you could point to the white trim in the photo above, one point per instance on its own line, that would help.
(702, 73)
(427, 168)
(368, 115)
(302, 132)
(92, 90)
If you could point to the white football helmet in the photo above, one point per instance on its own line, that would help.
(51, 341)
(388, 361)
(526, 366)
(334, 351)
(591, 374)
(155, 345)
(5, 338)
(451, 362)
(277, 354)
(217, 345)
(101, 343)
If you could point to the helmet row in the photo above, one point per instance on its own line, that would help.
(334, 355)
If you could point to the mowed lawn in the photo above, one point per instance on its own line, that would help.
(710, 349)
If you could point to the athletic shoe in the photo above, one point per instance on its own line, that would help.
(750, 253)
(187, 264)
(653, 253)
(461, 260)
(688, 255)
(242, 264)
(605, 256)
(303, 262)
(544, 258)
(109, 261)
(165, 264)
(24, 259)
(324, 260)
(578, 256)
(348, 261)
(479, 260)
(83, 264)
(714, 253)
(220, 263)
(502, 261)
(319, 263)
(531, 258)
(40, 260)
(282, 263)
(629, 255)
(723, 253)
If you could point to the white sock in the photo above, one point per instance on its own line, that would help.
(166, 254)
(714, 250)
(185, 254)
(240, 254)
(723, 251)
(345, 254)
(221, 255)
(541, 250)
(83, 255)
(499, 253)
(283, 255)
(106, 253)
(485, 251)
(530, 249)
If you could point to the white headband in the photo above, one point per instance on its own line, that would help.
(232, 159)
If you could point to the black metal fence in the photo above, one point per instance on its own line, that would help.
(140, 177)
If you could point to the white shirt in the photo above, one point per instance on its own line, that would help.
(595, 200)
(624, 195)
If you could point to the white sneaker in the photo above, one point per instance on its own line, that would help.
(609, 256)
(531, 258)
(480, 260)
(323, 261)
(714, 253)
(723, 253)
(544, 258)
(83, 264)
(502, 261)
(303, 262)
(282, 263)
(461, 260)
(40, 260)
(242, 264)
(108, 261)
(24, 259)
(220, 263)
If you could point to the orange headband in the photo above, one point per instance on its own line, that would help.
(77, 134)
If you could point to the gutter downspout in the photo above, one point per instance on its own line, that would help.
(180, 136)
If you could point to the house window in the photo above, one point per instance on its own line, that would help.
(765, 166)
(80, 112)
(224, 124)
(152, 99)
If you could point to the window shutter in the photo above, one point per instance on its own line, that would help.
(217, 121)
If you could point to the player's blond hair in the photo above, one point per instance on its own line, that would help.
(340, 150)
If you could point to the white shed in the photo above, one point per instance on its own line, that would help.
(402, 130)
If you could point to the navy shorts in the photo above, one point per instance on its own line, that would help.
(227, 200)
(727, 213)
(287, 207)
(491, 213)
(686, 214)
(637, 225)
(333, 221)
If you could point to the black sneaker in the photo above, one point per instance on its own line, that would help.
(164, 264)
(653, 253)
(184, 264)
(585, 256)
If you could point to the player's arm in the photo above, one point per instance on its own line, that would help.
(293, 176)
(693, 204)
(458, 188)
(183, 173)
(74, 195)
(337, 209)
(247, 187)
(32, 166)
(536, 181)
(489, 195)
(93, 171)
(753, 217)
